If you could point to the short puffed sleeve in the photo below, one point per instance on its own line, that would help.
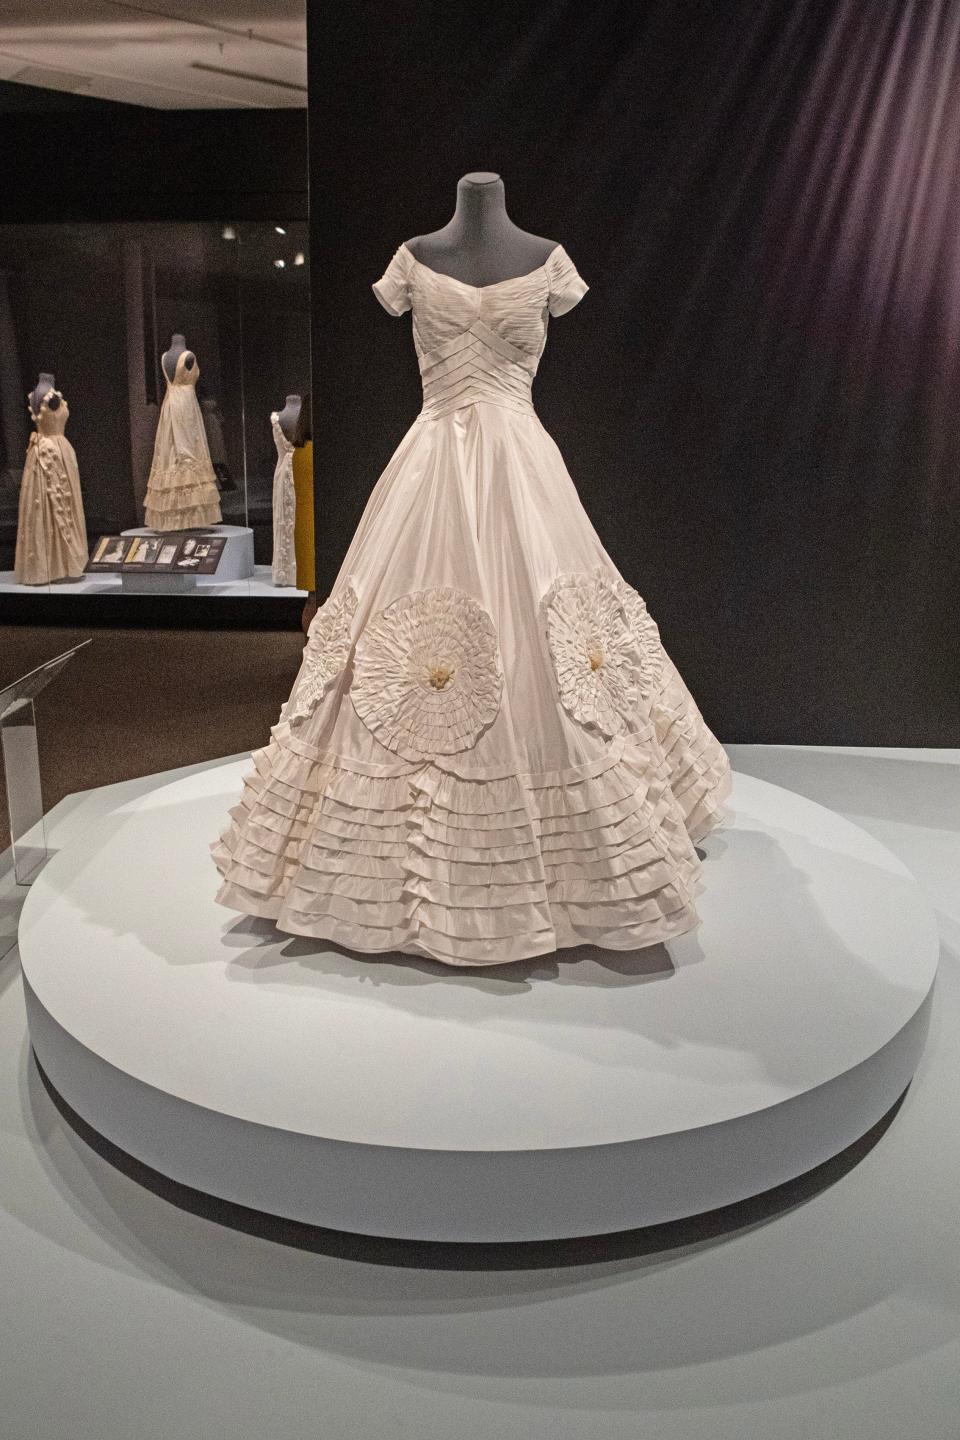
(393, 287)
(566, 287)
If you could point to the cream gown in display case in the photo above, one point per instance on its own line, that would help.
(487, 754)
(182, 489)
(51, 529)
(284, 508)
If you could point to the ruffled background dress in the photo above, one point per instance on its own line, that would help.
(284, 565)
(182, 489)
(487, 754)
(51, 528)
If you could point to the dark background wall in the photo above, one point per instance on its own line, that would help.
(69, 157)
(47, 275)
(754, 400)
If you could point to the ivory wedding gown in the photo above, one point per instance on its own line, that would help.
(487, 754)
(51, 529)
(284, 564)
(182, 489)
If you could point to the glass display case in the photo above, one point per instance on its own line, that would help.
(154, 355)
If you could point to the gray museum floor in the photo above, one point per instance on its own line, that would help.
(833, 1314)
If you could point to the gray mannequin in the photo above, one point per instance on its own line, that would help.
(288, 416)
(481, 245)
(44, 385)
(170, 357)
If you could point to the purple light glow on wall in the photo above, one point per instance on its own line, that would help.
(866, 212)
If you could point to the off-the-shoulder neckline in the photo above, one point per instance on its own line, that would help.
(510, 280)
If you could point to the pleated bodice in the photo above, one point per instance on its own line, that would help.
(478, 343)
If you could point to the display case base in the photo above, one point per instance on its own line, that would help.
(158, 584)
(580, 1093)
(236, 562)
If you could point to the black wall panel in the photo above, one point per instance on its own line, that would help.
(783, 493)
(73, 158)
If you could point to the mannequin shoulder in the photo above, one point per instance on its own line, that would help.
(540, 248)
(419, 245)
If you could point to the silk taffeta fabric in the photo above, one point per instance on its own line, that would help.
(487, 754)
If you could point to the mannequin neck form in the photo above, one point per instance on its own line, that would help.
(480, 217)
(480, 245)
(44, 385)
(288, 416)
(168, 360)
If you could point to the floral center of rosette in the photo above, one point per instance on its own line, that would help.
(427, 674)
(440, 676)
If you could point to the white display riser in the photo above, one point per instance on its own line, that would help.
(834, 1311)
(236, 562)
(576, 1094)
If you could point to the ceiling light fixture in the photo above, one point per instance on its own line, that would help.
(228, 233)
(299, 258)
(279, 264)
(279, 229)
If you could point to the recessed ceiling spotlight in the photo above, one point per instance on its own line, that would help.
(299, 259)
(279, 229)
(228, 233)
(279, 264)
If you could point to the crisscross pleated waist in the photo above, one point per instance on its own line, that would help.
(472, 367)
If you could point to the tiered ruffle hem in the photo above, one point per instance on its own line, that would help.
(183, 496)
(478, 867)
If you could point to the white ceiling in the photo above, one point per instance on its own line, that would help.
(171, 55)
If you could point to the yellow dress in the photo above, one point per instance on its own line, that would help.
(303, 538)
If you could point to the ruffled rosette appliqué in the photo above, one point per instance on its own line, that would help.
(643, 628)
(428, 675)
(326, 653)
(596, 658)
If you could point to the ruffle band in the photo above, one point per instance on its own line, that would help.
(467, 869)
(183, 496)
(694, 759)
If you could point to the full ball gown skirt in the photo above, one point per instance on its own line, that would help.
(51, 528)
(486, 755)
(182, 489)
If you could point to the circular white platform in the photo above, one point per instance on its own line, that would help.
(582, 1093)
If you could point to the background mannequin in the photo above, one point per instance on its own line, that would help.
(480, 245)
(170, 357)
(288, 416)
(216, 444)
(44, 385)
(283, 423)
(182, 489)
(51, 529)
(304, 534)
